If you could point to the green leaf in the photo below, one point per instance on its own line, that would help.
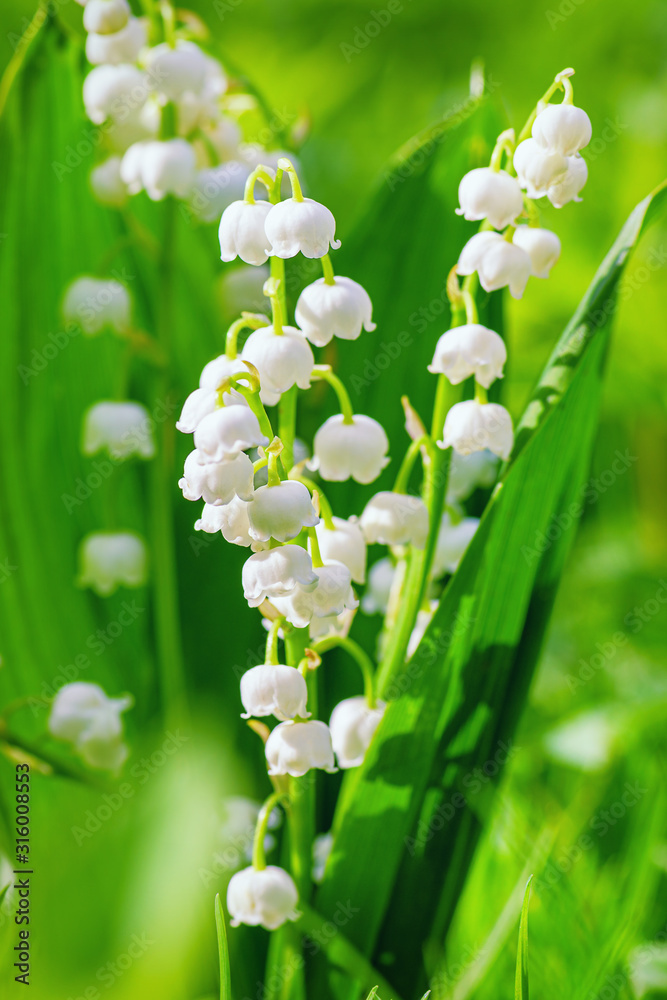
(521, 979)
(223, 951)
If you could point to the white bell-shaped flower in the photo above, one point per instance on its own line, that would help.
(123, 428)
(471, 426)
(344, 543)
(106, 16)
(227, 431)
(468, 472)
(305, 227)
(353, 723)
(110, 559)
(468, 350)
(358, 449)
(120, 47)
(101, 747)
(216, 371)
(281, 511)
(264, 897)
(160, 168)
(112, 88)
(107, 185)
(497, 262)
(231, 520)
(276, 573)
(453, 540)
(296, 747)
(282, 360)
(395, 519)
(324, 311)
(217, 482)
(490, 194)
(538, 167)
(274, 689)
(562, 128)
(380, 579)
(331, 625)
(541, 245)
(198, 405)
(242, 232)
(83, 714)
(177, 70)
(96, 304)
(568, 186)
(331, 596)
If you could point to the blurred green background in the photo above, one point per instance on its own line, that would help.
(150, 869)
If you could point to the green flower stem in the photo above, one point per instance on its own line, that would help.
(257, 407)
(481, 395)
(262, 175)
(325, 373)
(285, 165)
(362, 658)
(409, 459)
(168, 123)
(561, 81)
(470, 306)
(302, 790)
(251, 321)
(287, 426)
(315, 554)
(327, 270)
(258, 858)
(271, 652)
(274, 474)
(168, 16)
(504, 144)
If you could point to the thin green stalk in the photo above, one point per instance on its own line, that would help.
(362, 658)
(302, 790)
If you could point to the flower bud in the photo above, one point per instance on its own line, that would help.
(340, 310)
(265, 897)
(296, 747)
(490, 194)
(82, 714)
(352, 726)
(242, 232)
(95, 304)
(497, 262)
(276, 573)
(569, 184)
(109, 88)
(109, 559)
(562, 128)
(453, 540)
(537, 167)
(178, 70)
(395, 519)
(331, 596)
(124, 429)
(217, 482)
(468, 350)
(305, 227)
(107, 185)
(227, 431)
(541, 245)
(120, 47)
(280, 512)
(380, 579)
(344, 543)
(274, 689)
(106, 16)
(472, 426)
(357, 450)
(282, 360)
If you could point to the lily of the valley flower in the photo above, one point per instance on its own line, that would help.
(296, 747)
(106, 183)
(123, 428)
(490, 194)
(537, 167)
(341, 309)
(343, 543)
(281, 512)
(274, 689)
(467, 472)
(221, 368)
(541, 245)
(471, 349)
(357, 449)
(472, 426)
(563, 128)
(84, 715)
(497, 262)
(120, 47)
(113, 88)
(217, 482)
(353, 723)
(106, 16)
(395, 519)
(227, 431)
(262, 897)
(380, 579)
(95, 304)
(231, 520)
(242, 233)
(177, 70)
(453, 540)
(300, 226)
(283, 358)
(276, 573)
(331, 596)
(160, 168)
(110, 559)
(569, 184)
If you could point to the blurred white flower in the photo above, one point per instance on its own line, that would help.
(160, 168)
(472, 426)
(113, 89)
(265, 897)
(357, 450)
(322, 846)
(568, 186)
(177, 70)
(453, 540)
(352, 726)
(242, 232)
(490, 194)
(83, 714)
(241, 288)
(281, 511)
(587, 741)
(424, 616)
(274, 689)
(380, 578)
(471, 349)
(276, 573)
(106, 16)
(218, 482)
(123, 428)
(120, 47)
(562, 128)
(395, 519)
(296, 747)
(497, 262)
(331, 596)
(468, 472)
(537, 167)
(324, 311)
(344, 543)
(106, 183)
(541, 245)
(305, 227)
(282, 360)
(95, 304)
(227, 431)
(109, 559)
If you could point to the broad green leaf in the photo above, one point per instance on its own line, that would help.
(521, 979)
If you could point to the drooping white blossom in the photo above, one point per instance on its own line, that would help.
(82, 714)
(497, 262)
(231, 520)
(227, 431)
(296, 747)
(110, 559)
(160, 168)
(178, 69)
(242, 232)
(471, 349)
(217, 483)
(95, 304)
(568, 186)
(562, 128)
(276, 573)
(106, 16)
(281, 512)
(332, 625)
(332, 595)
(380, 579)
(467, 472)
(274, 689)
(472, 426)
(395, 519)
(537, 167)
(324, 311)
(265, 897)
(217, 371)
(490, 194)
(106, 183)
(123, 428)
(283, 359)
(453, 539)
(198, 405)
(344, 543)
(358, 449)
(113, 89)
(305, 227)
(120, 47)
(353, 723)
(541, 245)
